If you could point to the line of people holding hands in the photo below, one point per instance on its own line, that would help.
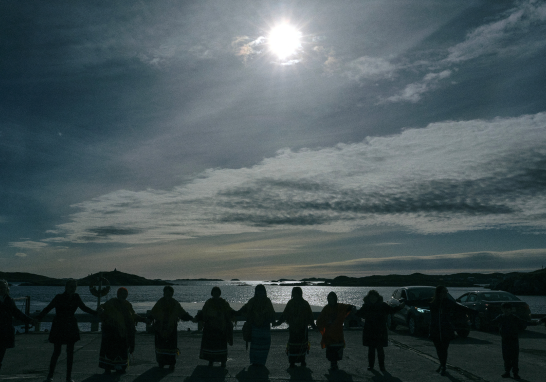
(216, 319)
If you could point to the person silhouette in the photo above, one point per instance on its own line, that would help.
(64, 328)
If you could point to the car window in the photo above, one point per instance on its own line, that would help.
(396, 294)
(463, 298)
(472, 297)
(404, 295)
(421, 293)
(499, 296)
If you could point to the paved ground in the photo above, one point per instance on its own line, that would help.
(477, 358)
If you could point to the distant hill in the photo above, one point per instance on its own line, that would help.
(30, 278)
(453, 280)
(530, 284)
(115, 277)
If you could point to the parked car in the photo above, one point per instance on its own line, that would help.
(488, 304)
(416, 314)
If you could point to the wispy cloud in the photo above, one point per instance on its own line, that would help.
(27, 244)
(508, 35)
(413, 92)
(20, 254)
(447, 177)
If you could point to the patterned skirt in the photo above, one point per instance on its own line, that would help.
(260, 344)
(298, 344)
(166, 349)
(114, 350)
(213, 345)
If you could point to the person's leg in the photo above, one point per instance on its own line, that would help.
(2, 353)
(54, 358)
(69, 360)
(381, 358)
(515, 358)
(506, 356)
(371, 357)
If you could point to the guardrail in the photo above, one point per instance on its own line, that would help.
(84, 318)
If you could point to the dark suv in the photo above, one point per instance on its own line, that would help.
(416, 314)
(488, 304)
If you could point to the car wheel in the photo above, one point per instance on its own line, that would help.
(390, 322)
(463, 333)
(478, 323)
(412, 325)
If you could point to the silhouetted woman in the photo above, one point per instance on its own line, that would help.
(118, 332)
(166, 313)
(260, 314)
(64, 329)
(216, 317)
(442, 330)
(299, 316)
(330, 325)
(8, 311)
(375, 335)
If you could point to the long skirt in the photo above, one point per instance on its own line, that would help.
(166, 349)
(334, 352)
(298, 344)
(213, 345)
(114, 350)
(260, 344)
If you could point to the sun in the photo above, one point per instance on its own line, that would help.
(284, 40)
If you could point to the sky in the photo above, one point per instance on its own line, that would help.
(172, 140)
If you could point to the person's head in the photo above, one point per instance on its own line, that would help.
(4, 287)
(372, 296)
(216, 292)
(439, 293)
(332, 298)
(297, 292)
(506, 308)
(168, 291)
(122, 293)
(70, 286)
(260, 290)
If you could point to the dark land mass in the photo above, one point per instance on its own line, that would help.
(530, 284)
(454, 280)
(115, 278)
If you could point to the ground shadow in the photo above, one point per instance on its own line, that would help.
(207, 373)
(385, 377)
(253, 373)
(470, 340)
(338, 376)
(113, 377)
(300, 373)
(531, 334)
(153, 374)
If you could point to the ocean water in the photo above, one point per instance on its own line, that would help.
(143, 298)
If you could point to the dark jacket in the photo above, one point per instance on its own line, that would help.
(441, 327)
(509, 325)
(8, 310)
(375, 331)
(64, 328)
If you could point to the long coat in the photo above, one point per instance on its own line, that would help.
(375, 331)
(8, 310)
(441, 327)
(64, 328)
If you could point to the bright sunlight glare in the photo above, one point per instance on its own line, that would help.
(284, 40)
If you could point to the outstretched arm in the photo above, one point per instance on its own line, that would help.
(15, 312)
(85, 308)
(47, 309)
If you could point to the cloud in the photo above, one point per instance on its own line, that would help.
(447, 177)
(28, 244)
(365, 68)
(412, 92)
(19, 254)
(508, 35)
